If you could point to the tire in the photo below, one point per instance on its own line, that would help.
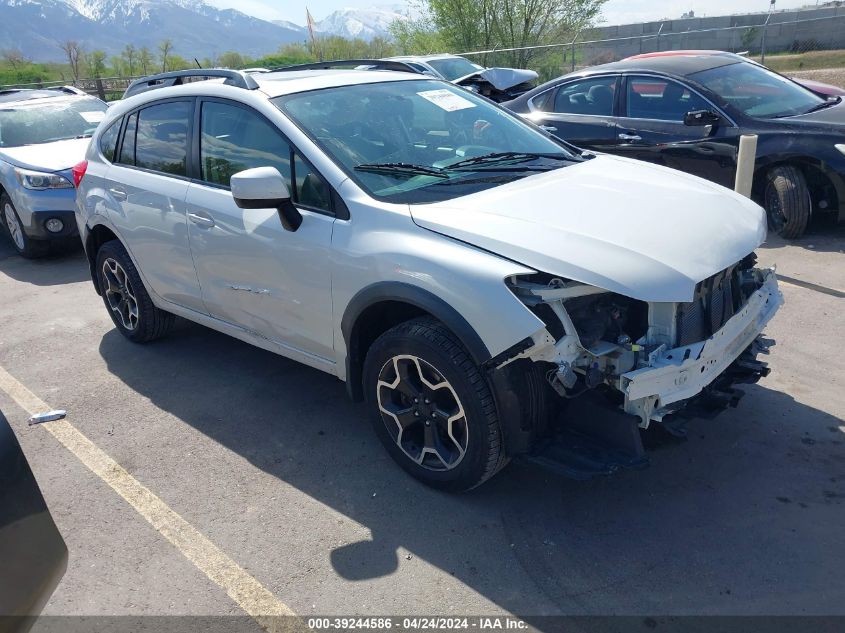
(11, 221)
(787, 201)
(121, 288)
(422, 359)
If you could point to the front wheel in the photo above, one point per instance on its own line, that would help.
(787, 201)
(431, 406)
(24, 245)
(126, 299)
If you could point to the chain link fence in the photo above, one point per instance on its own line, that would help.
(811, 45)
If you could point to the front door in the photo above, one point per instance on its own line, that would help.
(652, 128)
(253, 273)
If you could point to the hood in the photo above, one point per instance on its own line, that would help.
(831, 115)
(818, 86)
(501, 78)
(54, 156)
(640, 230)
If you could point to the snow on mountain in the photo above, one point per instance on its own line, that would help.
(363, 23)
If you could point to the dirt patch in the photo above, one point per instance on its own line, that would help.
(834, 76)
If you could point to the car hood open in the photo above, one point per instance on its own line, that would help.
(500, 78)
(641, 230)
(54, 156)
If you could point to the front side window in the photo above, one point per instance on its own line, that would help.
(233, 139)
(756, 91)
(661, 99)
(161, 141)
(591, 96)
(421, 140)
(48, 120)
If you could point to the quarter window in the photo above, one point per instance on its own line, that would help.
(661, 99)
(233, 139)
(591, 96)
(108, 141)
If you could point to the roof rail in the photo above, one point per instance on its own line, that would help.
(360, 64)
(71, 90)
(176, 78)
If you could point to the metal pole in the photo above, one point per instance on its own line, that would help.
(572, 49)
(763, 39)
(659, 31)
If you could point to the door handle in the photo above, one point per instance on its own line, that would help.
(548, 128)
(629, 137)
(201, 219)
(118, 194)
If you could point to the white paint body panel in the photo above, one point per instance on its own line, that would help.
(644, 231)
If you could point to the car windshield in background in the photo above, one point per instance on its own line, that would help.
(423, 140)
(757, 91)
(50, 120)
(452, 68)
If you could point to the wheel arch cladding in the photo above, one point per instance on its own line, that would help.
(380, 306)
(95, 237)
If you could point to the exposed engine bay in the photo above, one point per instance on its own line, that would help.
(650, 357)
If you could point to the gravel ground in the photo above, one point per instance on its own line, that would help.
(834, 76)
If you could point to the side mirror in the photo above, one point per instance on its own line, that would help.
(264, 188)
(701, 118)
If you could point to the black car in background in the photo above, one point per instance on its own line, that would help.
(688, 112)
(33, 555)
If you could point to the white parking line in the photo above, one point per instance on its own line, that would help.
(250, 594)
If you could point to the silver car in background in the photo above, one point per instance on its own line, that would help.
(43, 136)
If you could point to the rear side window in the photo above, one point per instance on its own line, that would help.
(161, 142)
(108, 141)
(591, 96)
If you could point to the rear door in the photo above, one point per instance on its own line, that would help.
(580, 111)
(146, 186)
(652, 128)
(254, 273)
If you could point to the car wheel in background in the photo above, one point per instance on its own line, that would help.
(126, 299)
(431, 406)
(24, 245)
(787, 201)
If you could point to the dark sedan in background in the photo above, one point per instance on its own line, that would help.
(689, 111)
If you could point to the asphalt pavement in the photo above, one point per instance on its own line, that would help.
(271, 463)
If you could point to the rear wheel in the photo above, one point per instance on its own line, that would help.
(431, 407)
(787, 201)
(126, 299)
(24, 245)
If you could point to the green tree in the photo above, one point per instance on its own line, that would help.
(130, 57)
(231, 59)
(165, 47)
(145, 60)
(95, 64)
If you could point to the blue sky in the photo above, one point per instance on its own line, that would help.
(615, 11)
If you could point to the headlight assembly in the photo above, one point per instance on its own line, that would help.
(40, 181)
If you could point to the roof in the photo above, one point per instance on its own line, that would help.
(422, 58)
(681, 65)
(275, 84)
(19, 95)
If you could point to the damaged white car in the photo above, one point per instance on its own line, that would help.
(463, 272)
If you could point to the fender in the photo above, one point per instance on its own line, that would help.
(412, 295)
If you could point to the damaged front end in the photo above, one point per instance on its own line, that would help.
(652, 359)
(499, 84)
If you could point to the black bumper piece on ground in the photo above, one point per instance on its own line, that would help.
(595, 438)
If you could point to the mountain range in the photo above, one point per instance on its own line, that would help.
(196, 29)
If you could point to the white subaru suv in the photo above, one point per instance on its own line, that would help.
(465, 273)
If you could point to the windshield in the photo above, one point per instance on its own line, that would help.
(757, 91)
(422, 140)
(451, 68)
(50, 120)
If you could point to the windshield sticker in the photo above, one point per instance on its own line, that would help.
(446, 99)
(94, 116)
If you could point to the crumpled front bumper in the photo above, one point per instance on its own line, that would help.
(678, 374)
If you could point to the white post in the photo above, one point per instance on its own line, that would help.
(745, 159)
